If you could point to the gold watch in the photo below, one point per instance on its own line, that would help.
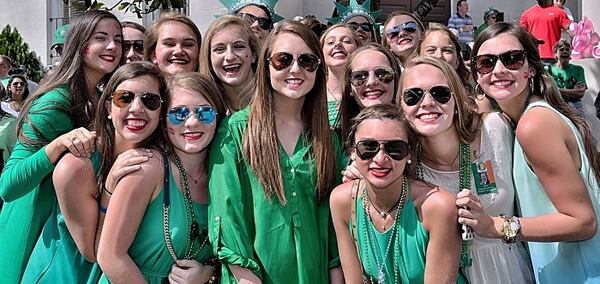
(511, 229)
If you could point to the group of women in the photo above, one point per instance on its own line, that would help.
(216, 160)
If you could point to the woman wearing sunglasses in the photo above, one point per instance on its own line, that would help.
(156, 222)
(53, 122)
(556, 169)
(338, 42)
(17, 93)
(272, 167)
(228, 55)
(122, 123)
(391, 227)
(402, 33)
(457, 149)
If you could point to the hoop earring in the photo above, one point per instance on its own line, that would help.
(531, 85)
(478, 89)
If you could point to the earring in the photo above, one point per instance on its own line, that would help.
(109, 117)
(478, 89)
(409, 161)
(531, 85)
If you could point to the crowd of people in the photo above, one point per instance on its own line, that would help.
(278, 151)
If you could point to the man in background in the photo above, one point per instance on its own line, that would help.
(462, 22)
(545, 22)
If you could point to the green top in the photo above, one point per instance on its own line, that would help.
(333, 108)
(292, 243)
(8, 136)
(480, 29)
(26, 183)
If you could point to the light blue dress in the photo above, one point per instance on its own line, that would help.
(558, 262)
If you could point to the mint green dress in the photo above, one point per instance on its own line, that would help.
(558, 262)
(292, 243)
(333, 108)
(55, 257)
(26, 183)
(149, 250)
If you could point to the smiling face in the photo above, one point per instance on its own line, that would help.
(381, 170)
(373, 91)
(338, 45)
(439, 45)
(406, 42)
(428, 117)
(365, 36)
(17, 88)
(133, 35)
(103, 50)
(190, 136)
(293, 82)
(502, 83)
(231, 56)
(177, 48)
(134, 122)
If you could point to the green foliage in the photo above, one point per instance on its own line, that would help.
(12, 45)
(138, 7)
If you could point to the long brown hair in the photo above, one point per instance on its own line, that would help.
(261, 146)
(543, 84)
(70, 72)
(104, 127)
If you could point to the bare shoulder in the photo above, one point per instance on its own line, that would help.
(71, 166)
(341, 199)
(432, 200)
(540, 122)
(149, 178)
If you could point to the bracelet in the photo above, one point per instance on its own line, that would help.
(511, 229)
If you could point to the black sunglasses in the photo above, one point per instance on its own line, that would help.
(360, 77)
(19, 84)
(122, 98)
(138, 45)
(368, 148)
(413, 96)
(409, 27)
(263, 23)
(282, 60)
(367, 27)
(512, 60)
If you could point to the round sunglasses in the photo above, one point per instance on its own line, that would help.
(282, 60)
(367, 27)
(409, 27)
(263, 23)
(359, 77)
(413, 96)
(123, 98)
(204, 114)
(512, 60)
(368, 148)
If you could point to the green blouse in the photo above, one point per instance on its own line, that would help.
(26, 183)
(292, 243)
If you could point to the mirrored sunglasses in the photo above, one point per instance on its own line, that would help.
(123, 98)
(360, 77)
(413, 96)
(409, 27)
(368, 148)
(282, 60)
(204, 114)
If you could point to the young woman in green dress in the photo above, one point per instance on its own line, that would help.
(272, 167)
(53, 122)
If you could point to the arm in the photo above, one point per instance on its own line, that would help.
(452, 23)
(190, 271)
(76, 191)
(523, 22)
(576, 93)
(244, 275)
(125, 212)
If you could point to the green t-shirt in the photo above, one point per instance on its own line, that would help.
(568, 77)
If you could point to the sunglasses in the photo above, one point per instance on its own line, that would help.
(360, 77)
(367, 27)
(204, 114)
(413, 96)
(137, 45)
(368, 148)
(123, 98)
(409, 27)
(282, 60)
(263, 23)
(18, 84)
(512, 60)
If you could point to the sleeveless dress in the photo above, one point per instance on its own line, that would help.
(558, 262)
(493, 261)
(149, 250)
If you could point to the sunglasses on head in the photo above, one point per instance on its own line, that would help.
(137, 45)
(512, 60)
(122, 98)
(263, 23)
(367, 27)
(409, 27)
(368, 148)
(282, 60)
(204, 114)
(360, 77)
(18, 84)
(413, 96)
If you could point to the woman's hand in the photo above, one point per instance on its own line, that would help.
(350, 173)
(471, 213)
(190, 271)
(126, 163)
(80, 142)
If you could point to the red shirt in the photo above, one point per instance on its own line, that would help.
(545, 24)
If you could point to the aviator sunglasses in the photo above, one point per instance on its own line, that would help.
(263, 23)
(368, 148)
(122, 98)
(409, 27)
(413, 96)
(512, 60)
(137, 45)
(204, 114)
(367, 27)
(282, 60)
(360, 77)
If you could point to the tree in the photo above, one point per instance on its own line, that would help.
(138, 7)
(12, 45)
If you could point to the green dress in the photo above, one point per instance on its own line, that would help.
(149, 250)
(26, 184)
(292, 243)
(55, 257)
(333, 108)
